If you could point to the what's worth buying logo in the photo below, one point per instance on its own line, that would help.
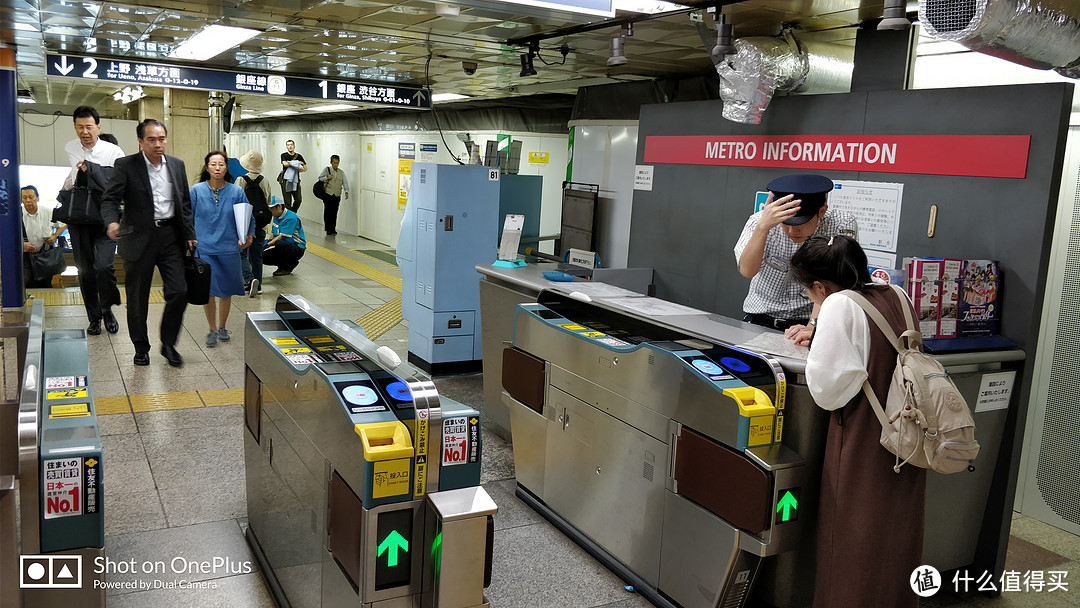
(50, 571)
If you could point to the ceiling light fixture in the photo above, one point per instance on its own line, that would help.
(129, 94)
(725, 33)
(617, 46)
(448, 96)
(212, 40)
(280, 112)
(26, 96)
(334, 107)
(527, 68)
(895, 16)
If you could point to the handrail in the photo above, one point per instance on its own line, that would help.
(29, 425)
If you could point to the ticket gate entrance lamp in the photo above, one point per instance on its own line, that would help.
(356, 469)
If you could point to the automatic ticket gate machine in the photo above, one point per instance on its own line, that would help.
(60, 473)
(657, 451)
(362, 484)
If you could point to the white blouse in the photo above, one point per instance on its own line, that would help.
(836, 365)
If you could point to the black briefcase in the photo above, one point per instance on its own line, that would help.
(197, 273)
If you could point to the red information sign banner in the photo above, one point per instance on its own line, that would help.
(966, 155)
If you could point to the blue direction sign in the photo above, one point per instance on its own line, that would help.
(237, 81)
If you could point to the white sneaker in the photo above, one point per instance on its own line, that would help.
(254, 288)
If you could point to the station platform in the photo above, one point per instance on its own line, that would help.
(173, 439)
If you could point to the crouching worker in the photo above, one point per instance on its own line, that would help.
(287, 246)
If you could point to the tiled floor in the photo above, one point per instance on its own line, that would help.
(174, 484)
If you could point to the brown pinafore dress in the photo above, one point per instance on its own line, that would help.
(870, 531)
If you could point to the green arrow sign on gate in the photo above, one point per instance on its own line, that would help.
(788, 506)
(390, 546)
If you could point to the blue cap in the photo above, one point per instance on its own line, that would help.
(813, 190)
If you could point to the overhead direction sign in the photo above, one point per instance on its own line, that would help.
(236, 81)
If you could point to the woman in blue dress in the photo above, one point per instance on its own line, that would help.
(212, 202)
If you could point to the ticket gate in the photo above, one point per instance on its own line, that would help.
(60, 473)
(656, 451)
(362, 483)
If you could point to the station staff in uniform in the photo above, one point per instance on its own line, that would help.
(155, 229)
(797, 208)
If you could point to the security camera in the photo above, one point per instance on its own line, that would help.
(469, 67)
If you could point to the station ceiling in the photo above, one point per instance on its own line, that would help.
(403, 42)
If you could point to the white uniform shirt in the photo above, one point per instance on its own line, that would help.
(161, 184)
(103, 153)
(38, 226)
(836, 365)
(771, 291)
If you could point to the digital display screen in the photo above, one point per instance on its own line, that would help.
(393, 566)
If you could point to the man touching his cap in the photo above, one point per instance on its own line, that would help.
(797, 208)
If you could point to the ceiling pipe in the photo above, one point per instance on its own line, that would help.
(1041, 34)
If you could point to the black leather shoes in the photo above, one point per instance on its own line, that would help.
(111, 325)
(142, 359)
(173, 357)
(94, 328)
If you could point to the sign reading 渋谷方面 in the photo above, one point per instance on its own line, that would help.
(179, 76)
(965, 155)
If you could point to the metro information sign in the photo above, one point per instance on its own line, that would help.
(236, 81)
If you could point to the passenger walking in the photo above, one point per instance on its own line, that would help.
(40, 233)
(336, 182)
(292, 165)
(257, 191)
(154, 230)
(287, 246)
(217, 220)
(94, 253)
(870, 523)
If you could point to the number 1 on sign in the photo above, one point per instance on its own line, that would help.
(493, 175)
(322, 85)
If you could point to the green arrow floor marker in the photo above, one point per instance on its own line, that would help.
(390, 546)
(788, 503)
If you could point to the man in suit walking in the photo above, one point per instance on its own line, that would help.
(155, 228)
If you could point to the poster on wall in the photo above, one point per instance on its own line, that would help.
(406, 156)
(876, 207)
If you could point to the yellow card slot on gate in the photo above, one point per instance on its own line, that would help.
(385, 440)
(752, 401)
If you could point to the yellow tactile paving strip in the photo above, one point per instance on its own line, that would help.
(382, 319)
(168, 401)
(73, 297)
(382, 278)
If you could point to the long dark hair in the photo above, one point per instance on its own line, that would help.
(205, 175)
(839, 260)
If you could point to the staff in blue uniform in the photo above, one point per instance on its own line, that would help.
(213, 201)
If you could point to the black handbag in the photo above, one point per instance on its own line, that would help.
(45, 264)
(80, 205)
(197, 274)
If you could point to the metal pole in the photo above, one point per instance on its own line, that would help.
(11, 279)
(217, 133)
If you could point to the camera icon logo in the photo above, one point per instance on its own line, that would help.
(50, 571)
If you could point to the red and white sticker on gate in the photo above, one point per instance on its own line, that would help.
(63, 487)
(455, 439)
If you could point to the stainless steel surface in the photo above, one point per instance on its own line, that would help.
(698, 546)
(28, 440)
(457, 532)
(619, 468)
(497, 328)
(530, 443)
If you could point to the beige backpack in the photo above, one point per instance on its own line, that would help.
(925, 421)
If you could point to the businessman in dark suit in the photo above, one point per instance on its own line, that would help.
(155, 228)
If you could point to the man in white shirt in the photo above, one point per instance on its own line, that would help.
(94, 251)
(39, 234)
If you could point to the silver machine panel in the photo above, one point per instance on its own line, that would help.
(658, 451)
(345, 479)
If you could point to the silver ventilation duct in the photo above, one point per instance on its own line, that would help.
(762, 66)
(1042, 34)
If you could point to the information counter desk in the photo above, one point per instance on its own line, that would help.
(571, 346)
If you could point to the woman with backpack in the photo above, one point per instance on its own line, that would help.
(220, 243)
(871, 519)
(258, 194)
